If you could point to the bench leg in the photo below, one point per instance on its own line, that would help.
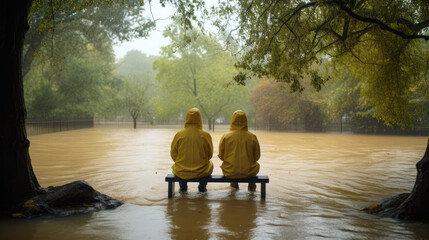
(170, 189)
(262, 190)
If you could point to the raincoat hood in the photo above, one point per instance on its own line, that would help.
(238, 121)
(193, 119)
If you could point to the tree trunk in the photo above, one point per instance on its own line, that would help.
(416, 206)
(410, 206)
(135, 122)
(17, 177)
(210, 124)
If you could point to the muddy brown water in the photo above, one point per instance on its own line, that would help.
(318, 184)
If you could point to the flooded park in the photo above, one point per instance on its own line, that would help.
(319, 182)
(336, 93)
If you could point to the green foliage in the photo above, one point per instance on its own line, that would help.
(342, 94)
(194, 71)
(375, 39)
(123, 19)
(136, 62)
(389, 71)
(80, 85)
(79, 80)
(280, 109)
(133, 96)
(68, 51)
(44, 102)
(65, 27)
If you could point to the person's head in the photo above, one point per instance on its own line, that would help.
(193, 118)
(238, 121)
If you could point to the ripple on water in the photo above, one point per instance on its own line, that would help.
(318, 183)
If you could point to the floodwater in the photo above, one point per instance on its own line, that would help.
(318, 184)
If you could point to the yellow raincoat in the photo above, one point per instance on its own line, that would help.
(239, 149)
(192, 149)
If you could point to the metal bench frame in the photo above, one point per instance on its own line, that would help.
(263, 180)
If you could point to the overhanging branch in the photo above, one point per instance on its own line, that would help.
(383, 25)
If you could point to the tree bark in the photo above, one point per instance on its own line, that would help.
(416, 206)
(17, 177)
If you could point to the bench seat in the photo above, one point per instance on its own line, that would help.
(171, 179)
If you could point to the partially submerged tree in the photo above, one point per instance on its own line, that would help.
(17, 179)
(409, 206)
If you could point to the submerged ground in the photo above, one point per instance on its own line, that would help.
(318, 184)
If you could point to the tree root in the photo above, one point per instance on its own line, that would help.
(408, 206)
(70, 199)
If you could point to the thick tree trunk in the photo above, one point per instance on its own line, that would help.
(17, 180)
(410, 206)
(416, 206)
(17, 177)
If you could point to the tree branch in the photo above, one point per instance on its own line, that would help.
(381, 24)
(284, 22)
(416, 27)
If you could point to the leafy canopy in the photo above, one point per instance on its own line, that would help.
(193, 71)
(286, 39)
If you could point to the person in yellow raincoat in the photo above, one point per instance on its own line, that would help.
(239, 150)
(191, 151)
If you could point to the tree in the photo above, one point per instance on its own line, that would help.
(55, 24)
(284, 39)
(17, 177)
(352, 18)
(282, 109)
(44, 102)
(79, 79)
(136, 62)
(134, 97)
(17, 180)
(345, 98)
(194, 71)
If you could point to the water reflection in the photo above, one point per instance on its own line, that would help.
(237, 216)
(189, 217)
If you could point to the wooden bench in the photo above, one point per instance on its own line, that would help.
(171, 179)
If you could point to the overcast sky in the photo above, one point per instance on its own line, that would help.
(152, 44)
